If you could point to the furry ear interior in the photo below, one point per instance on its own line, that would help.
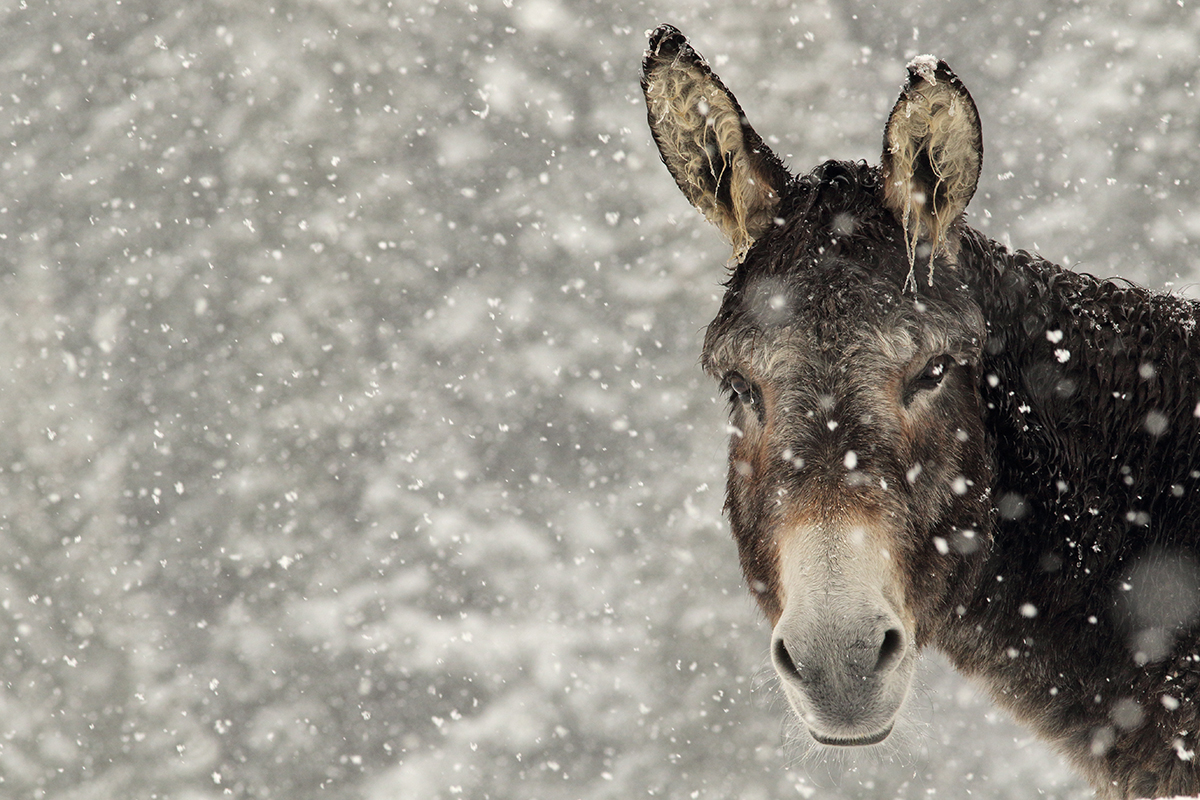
(932, 155)
(718, 160)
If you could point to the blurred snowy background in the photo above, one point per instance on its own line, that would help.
(354, 443)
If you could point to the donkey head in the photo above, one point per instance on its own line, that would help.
(849, 346)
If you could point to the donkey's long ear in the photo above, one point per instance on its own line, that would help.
(932, 153)
(717, 159)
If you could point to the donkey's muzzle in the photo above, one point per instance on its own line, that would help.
(845, 671)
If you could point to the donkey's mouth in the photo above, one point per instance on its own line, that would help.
(840, 741)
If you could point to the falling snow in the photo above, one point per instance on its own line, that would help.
(355, 443)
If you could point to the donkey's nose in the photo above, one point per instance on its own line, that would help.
(864, 657)
(785, 665)
(846, 676)
(890, 650)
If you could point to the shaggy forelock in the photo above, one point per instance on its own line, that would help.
(830, 315)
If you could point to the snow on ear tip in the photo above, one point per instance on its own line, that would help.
(667, 44)
(665, 41)
(925, 66)
(932, 70)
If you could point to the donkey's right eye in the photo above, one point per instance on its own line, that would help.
(741, 388)
(929, 378)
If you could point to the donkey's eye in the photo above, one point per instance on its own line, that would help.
(741, 388)
(931, 377)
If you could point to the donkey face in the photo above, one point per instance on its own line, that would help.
(849, 348)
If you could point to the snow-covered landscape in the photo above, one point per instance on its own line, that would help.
(356, 445)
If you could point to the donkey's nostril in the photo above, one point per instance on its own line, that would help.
(890, 650)
(783, 661)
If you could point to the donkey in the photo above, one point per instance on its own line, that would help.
(940, 442)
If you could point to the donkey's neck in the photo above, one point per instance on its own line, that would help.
(1096, 458)
(1081, 381)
